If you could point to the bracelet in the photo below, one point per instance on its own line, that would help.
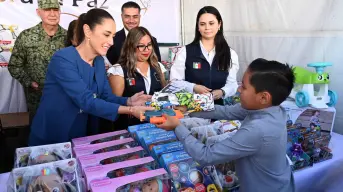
(130, 111)
(129, 101)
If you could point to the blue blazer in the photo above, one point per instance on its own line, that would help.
(67, 95)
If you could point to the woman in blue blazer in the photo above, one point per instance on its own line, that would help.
(76, 85)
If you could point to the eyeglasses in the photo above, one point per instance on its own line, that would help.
(143, 47)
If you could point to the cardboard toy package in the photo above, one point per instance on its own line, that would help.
(119, 169)
(104, 147)
(27, 156)
(187, 174)
(154, 180)
(111, 157)
(134, 128)
(147, 132)
(100, 138)
(158, 150)
(150, 141)
(57, 176)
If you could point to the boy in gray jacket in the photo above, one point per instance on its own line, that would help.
(259, 146)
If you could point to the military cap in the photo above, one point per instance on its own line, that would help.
(48, 4)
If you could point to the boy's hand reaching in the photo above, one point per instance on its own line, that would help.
(170, 124)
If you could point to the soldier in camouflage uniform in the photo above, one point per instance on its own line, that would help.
(33, 49)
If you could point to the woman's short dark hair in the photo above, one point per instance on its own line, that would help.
(92, 18)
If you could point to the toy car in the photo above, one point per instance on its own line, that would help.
(304, 91)
(156, 117)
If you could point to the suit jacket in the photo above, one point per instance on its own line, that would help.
(68, 99)
(113, 52)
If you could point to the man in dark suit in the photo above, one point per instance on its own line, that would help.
(130, 14)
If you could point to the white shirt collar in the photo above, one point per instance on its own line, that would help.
(204, 50)
(126, 31)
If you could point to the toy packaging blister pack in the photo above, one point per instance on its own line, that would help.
(147, 132)
(216, 131)
(100, 138)
(194, 122)
(226, 177)
(28, 156)
(196, 102)
(187, 174)
(56, 176)
(150, 141)
(149, 181)
(119, 169)
(104, 147)
(158, 150)
(111, 157)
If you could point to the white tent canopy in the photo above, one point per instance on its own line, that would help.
(292, 31)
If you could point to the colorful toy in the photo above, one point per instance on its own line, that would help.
(111, 157)
(156, 117)
(118, 169)
(304, 92)
(61, 176)
(149, 181)
(104, 147)
(100, 138)
(196, 102)
(296, 152)
(187, 174)
(42, 154)
(227, 179)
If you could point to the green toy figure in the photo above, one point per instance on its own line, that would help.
(304, 92)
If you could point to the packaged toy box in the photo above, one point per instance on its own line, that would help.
(226, 177)
(100, 138)
(134, 128)
(216, 131)
(111, 157)
(147, 132)
(56, 176)
(158, 150)
(309, 134)
(119, 169)
(104, 147)
(187, 174)
(42, 154)
(150, 141)
(154, 180)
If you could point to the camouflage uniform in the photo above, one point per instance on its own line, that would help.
(31, 55)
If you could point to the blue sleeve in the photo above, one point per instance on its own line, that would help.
(226, 112)
(107, 94)
(67, 76)
(245, 142)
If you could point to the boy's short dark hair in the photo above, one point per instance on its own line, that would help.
(272, 76)
(130, 4)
